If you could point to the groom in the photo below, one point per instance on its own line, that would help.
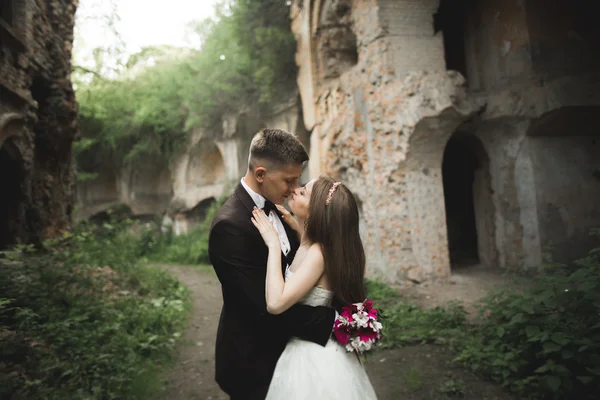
(249, 339)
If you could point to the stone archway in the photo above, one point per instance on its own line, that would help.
(333, 41)
(468, 201)
(11, 124)
(12, 176)
(206, 165)
(199, 211)
(96, 194)
(150, 186)
(191, 219)
(425, 192)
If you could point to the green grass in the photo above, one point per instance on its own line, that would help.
(413, 379)
(405, 323)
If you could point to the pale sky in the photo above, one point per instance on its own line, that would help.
(142, 23)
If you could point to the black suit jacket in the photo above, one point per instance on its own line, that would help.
(249, 339)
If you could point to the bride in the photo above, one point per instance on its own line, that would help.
(329, 266)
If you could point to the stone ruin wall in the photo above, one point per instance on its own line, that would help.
(387, 89)
(38, 119)
(385, 84)
(182, 190)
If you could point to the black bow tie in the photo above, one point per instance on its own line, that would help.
(268, 207)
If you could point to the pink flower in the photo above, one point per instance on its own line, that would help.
(367, 334)
(347, 313)
(340, 324)
(342, 336)
(368, 304)
(373, 313)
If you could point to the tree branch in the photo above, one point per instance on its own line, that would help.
(88, 71)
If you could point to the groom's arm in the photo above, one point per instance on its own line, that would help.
(229, 247)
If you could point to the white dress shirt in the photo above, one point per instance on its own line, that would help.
(273, 217)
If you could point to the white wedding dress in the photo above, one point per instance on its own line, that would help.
(308, 371)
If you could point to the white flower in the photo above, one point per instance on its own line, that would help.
(365, 346)
(353, 344)
(361, 318)
(356, 344)
(376, 325)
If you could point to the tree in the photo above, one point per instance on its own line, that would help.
(246, 58)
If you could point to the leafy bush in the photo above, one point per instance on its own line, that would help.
(544, 342)
(452, 388)
(406, 323)
(188, 249)
(84, 319)
(541, 342)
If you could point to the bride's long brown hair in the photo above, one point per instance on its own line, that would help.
(335, 227)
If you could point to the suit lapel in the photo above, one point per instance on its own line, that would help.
(244, 198)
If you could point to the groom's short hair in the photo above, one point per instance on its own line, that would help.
(277, 147)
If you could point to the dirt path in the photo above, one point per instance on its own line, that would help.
(193, 375)
(467, 285)
(423, 372)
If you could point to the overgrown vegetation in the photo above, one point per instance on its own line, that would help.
(545, 341)
(406, 323)
(189, 249)
(85, 319)
(541, 342)
(246, 60)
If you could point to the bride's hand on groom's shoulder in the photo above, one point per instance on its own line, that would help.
(288, 218)
(266, 228)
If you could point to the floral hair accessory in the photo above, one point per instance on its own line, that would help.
(330, 194)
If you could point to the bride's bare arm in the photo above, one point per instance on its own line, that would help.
(281, 295)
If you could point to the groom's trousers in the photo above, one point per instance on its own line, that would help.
(258, 394)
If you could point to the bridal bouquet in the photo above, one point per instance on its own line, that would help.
(358, 327)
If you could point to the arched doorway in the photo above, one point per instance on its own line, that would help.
(468, 201)
(12, 176)
(150, 186)
(333, 41)
(196, 216)
(206, 165)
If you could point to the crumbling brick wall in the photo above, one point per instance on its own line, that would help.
(38, 117)
(426, 71)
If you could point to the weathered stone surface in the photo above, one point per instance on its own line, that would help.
(429, 71)
(38, 119)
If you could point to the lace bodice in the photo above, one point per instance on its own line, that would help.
(316, 297)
